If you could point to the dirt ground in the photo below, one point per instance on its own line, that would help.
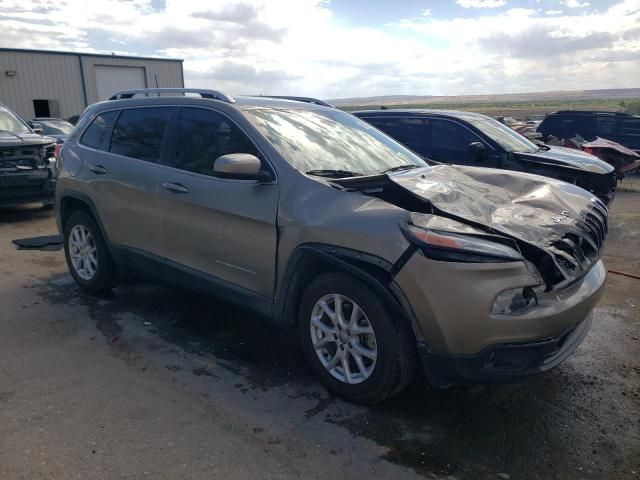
(152, 382)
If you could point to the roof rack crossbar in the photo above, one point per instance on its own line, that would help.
(315, 101)
(204, 93)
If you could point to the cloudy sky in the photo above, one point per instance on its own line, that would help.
(347, 48)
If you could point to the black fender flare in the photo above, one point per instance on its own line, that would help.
(84, 198)
(338, 257)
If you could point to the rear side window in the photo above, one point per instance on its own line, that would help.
(97, 134)
(203, 136)
(139, 132)
(605, 126)
(630, 127)
(410, 131)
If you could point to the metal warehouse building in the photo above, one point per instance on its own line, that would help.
(41, 83)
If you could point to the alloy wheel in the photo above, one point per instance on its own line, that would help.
(83, 252)
(343, 338)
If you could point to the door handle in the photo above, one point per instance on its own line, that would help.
(175, 187)
(98, 169)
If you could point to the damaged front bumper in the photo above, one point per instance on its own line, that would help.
(504, 363)
(27, 187)
(461, 341)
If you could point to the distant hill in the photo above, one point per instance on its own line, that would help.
(555, 96)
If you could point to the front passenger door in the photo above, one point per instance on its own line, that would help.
(221, 227)
(450, 142)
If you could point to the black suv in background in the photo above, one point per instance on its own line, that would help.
(465, 138)
(622, 128)
(27, 163)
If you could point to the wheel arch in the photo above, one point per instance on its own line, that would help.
(310, 260)
(71, 201)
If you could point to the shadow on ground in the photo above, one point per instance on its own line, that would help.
(564, 424)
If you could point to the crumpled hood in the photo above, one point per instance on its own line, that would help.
(531, 208)
(567, 157)
(8, 139)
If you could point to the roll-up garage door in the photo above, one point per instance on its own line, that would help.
(111, 79)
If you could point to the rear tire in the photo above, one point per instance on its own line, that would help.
(87, 256)
(332, 342)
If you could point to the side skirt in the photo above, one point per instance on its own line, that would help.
(138, 264)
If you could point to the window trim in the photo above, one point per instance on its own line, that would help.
(118, 113)
(89, 123)
(431, 118)
(172, 145)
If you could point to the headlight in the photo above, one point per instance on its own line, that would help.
(455, 247)
(514, 301)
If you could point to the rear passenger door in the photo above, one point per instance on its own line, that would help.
(122, 172)
(220, 227)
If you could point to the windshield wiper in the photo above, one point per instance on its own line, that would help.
(333, 173)
(399, 168)
(544, 148)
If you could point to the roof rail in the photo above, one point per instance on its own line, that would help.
(301, 99)
(214, 94)
(594, 112)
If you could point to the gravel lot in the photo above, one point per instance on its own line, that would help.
(151, 382)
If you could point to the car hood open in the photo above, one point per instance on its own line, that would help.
(567, 157)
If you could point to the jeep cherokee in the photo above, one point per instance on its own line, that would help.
(319, 221)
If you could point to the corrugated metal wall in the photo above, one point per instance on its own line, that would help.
(40, 76)
(49, 76)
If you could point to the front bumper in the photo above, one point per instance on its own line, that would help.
(452, 303)
(27, 187)
(503, 363)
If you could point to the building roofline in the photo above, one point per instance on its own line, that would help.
(84, 54)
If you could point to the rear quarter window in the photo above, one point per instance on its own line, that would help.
(97, 133)
(139, 132)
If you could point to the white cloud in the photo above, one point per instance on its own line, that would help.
(481, 3)
(284, 47)
(576, 4)
(553, 12)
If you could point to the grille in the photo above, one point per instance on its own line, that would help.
(16, 158)
(576, 251)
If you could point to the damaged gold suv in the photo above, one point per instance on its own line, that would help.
(319, 221)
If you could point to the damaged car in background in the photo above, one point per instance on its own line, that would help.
(379, 259)
(465, 138)
(27, 163)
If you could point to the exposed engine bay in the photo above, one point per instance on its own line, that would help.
(558, 227)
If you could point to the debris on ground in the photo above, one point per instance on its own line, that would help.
(46, 243)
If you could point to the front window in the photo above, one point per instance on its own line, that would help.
(10, 123)
(501, 134)
(316, 140)
(55, 127)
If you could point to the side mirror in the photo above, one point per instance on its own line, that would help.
(36, 127)
(478, 149)
(242, 166)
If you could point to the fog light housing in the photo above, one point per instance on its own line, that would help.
(514, 301)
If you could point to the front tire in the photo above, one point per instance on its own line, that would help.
(87, 256)
(356, 346)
